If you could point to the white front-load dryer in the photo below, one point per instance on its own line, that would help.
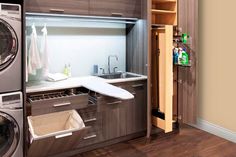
(11, 125)
(10, 47)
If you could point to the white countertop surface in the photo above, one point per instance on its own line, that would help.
(73, 83)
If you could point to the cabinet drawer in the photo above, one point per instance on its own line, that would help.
(55, 133)
(93, 135)
(61, 103)
(132, 87)
(59, 6)
(108, 103)
(89, 139)
(121, 8)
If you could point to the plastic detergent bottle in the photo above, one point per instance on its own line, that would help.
(66, 71)
(180, 56)
(175, 55)
(185, 38)
(185, 58)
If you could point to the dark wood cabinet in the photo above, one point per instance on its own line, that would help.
(136, 109)
(105, 118)
(60, 6)
(91, 119)
(120, 8)
(113, 113)
(123, 117)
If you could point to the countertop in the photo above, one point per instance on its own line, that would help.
(73, 82)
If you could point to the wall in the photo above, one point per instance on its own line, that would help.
(82, 44)
(217, 54)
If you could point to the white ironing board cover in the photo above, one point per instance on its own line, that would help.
(100, 86)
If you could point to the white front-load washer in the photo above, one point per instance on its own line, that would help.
(11, 125)
(10, 47)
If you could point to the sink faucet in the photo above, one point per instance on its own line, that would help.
(109, 62)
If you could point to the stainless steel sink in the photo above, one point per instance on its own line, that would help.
(118, 75)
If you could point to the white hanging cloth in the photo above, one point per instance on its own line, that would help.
(26, 62)
(34, 58)
(44, 52)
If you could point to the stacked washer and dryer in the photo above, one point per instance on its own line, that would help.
(11, 101)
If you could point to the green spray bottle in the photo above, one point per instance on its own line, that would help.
(185, 58)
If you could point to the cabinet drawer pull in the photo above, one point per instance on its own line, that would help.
(62, 104)
(89, 137)
(92, 102)
(57, 10)
(64, 135)
(137, 85)
(90, 120)
(117, 14)
(113, 103)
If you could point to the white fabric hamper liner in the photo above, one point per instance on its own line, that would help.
(57, 124)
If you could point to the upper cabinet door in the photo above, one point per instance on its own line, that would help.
(80, 7)
(119, 8)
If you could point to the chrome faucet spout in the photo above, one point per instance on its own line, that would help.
(109, 62)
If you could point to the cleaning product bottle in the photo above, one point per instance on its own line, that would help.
(65, 71)
(175, 55)
(184, 38)
(185, 58)
(180, 56)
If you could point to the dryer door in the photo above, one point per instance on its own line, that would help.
(8, 46)
(9, 135)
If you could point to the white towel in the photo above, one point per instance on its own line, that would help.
(34, 57)
(44, 52)
(26, 62)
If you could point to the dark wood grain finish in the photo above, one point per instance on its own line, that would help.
(187, 77)
(113, 119)
(136, 109)
(53, 105)
(50, 145)
(122, 8)
(189, 142)
(60, 6)
(136, 56)
(92, 119)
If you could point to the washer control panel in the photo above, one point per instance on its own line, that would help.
(10, 10)
(11, 100)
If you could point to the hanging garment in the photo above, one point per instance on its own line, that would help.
(34, 58)
(26, 62)
(44, 52)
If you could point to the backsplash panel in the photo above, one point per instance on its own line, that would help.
(83, 47)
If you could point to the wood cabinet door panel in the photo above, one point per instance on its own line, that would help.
(137, 108)
(59, 6)
(123, 8)
(53, 145)
(44, 106)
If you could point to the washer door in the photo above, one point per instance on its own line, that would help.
(8, 46)
(9, 135)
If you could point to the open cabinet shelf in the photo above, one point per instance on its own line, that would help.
(164, 1)
(155, 11)
(164, 12)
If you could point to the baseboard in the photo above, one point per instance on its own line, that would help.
(216, 130)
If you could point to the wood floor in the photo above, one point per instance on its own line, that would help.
(189, 142)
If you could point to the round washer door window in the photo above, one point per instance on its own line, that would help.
(9, 135)
(8, 46)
